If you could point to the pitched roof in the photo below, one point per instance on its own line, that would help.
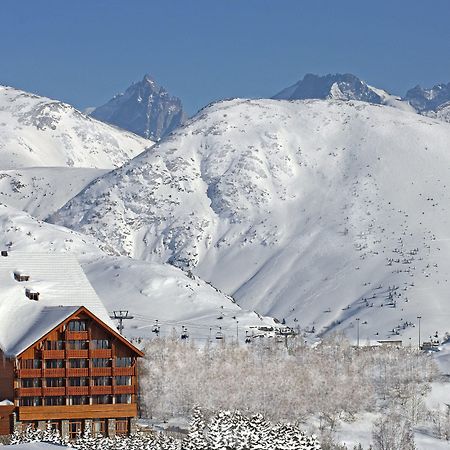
(62, 286)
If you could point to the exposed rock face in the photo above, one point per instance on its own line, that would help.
(338, 87)
(145, 108)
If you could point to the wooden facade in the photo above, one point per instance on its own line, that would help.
(80, 371)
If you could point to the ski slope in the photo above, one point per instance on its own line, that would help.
(319, 212)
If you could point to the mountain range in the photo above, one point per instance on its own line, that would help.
(434, 102)
(312, 211)
(315, 211)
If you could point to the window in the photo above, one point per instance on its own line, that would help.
(101, 399)
(123, 381)
(78, 400)
(54, 345)
(99, 427)
(102, 381)
(30, 401)
(54, 401)
(81, 381)
(77, 325)
(77, 345)
(121, 426)
(123, 398)
(78, 363)
(100, 343)
(123, 362)
(54, 364)
(101, 362)
(31, 382)
(75, 428)
(30, 364)
(55, 382)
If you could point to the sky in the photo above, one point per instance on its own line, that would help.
(85, 51)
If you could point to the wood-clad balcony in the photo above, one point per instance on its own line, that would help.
(101, 371)
(30, 373)
(53, 354)
(28, 413)
(101, 390)
(100, 353)
(77, 335)
(29, 392)
(77, 372)
(127, 389)
(77, 390)
(70, 353)
(117, 371)
(54, 391)
(54, 373)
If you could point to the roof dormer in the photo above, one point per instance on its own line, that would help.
(19, 276)
(32, 294)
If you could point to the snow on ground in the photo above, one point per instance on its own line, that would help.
(35, 446)
(160, 292)
(319, 212)
(360, 432)
(37, 131)
(41, 191)
(149, 290)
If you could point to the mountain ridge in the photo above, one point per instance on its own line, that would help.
(145, 108)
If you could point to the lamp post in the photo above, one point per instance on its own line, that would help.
(419, 317)
(357, 331)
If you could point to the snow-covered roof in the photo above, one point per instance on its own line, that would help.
(62, 287)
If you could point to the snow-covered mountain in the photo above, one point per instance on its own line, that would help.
(37, 131)
(145, 108)
(433, 102)
(41, 191)
(149, 290)
(338, 87)
(314, 211)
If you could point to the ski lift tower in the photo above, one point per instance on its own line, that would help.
(120, 316)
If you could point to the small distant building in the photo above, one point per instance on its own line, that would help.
(61, 359)
(391, 342)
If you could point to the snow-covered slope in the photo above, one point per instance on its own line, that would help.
(148, 290)
(37, 131)
(316, 211)
(41, 191)
(145, 108)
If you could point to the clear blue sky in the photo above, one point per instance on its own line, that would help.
(84, 51)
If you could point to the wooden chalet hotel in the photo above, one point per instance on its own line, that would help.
(61, 359)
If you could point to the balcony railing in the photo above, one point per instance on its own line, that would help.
(101, 371)
(59, 373)
(30, 373)
(77, 372)
(53, 354)
(101, 390)
(70, 353)
(100, 353)
(53, 391)
(127, 389)
(29, 392)
(77, 390)
(76, 335)
(123, 371)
